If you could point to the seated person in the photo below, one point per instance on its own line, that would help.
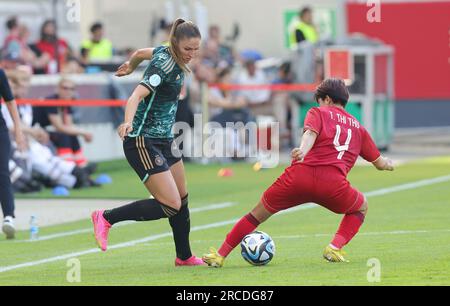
(224, 106)
(258, 100)
(64, 134)
(38, 162)
(228, 108)
(282, 102)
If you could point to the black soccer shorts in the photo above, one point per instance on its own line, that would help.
(149, 156)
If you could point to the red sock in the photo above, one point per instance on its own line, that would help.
(66, 154)
(243, 227)
(79, 158)
(348, 229)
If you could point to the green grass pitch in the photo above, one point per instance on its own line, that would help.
(407, 231)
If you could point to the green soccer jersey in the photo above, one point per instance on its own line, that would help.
(155, 115)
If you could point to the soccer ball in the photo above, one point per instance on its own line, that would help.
(257, 248)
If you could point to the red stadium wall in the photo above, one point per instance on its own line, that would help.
(420, 33)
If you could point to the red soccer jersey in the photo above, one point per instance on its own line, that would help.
(341, 139)
(49, 48)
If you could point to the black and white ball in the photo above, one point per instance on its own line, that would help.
(257, 248)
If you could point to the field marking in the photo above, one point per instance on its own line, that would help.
(379, 192)
(407, 186)
(89, 230)
(397, 232)
(113, 247)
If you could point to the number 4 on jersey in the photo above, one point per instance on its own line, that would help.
(337, 145)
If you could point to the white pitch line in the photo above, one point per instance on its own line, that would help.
(413, 185)
(115, 246)
(398, 232)
(89, 230)
(209, 226)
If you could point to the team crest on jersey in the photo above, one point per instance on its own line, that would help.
(158, 160)
(155, 80)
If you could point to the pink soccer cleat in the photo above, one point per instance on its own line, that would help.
(101, 229)
(192, 261)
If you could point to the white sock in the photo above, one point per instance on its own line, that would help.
(9, 219)
(333, 247)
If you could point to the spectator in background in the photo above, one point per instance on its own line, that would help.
(224, 107)
(303, 29)
(98, 48)
(73, 65)
(9, 61)
(228, 108)
(11, 45)
(19, 81)
(16, 50)
(65, 133)
(225, 53)
(166, 28)
(210, 54)
(37, 165)
(281, 100)
(30, 58)
(258, 100)
(56, 48)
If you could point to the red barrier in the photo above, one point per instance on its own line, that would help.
(88, 103)
(272, 87)
(111, 103)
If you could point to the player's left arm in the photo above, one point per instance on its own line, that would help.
(370, 152)
(308, 140)
(383, 163)
(136, 58)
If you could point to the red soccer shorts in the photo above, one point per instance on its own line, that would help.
(324, 185)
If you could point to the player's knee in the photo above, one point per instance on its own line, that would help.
(184, 200)
(364, 207)
(261, 213)
(173, 205)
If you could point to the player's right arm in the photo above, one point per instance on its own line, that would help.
(136, 58)
(308, 140)
(313, 126)
(136, 97)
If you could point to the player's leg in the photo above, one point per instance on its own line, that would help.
(146, 160)
(165, 204)
(349, 227)
(78, 154)
(63, 144)
(181, 223)
(243, 227)
(6, 192)
(283, 194)
(334, 192)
